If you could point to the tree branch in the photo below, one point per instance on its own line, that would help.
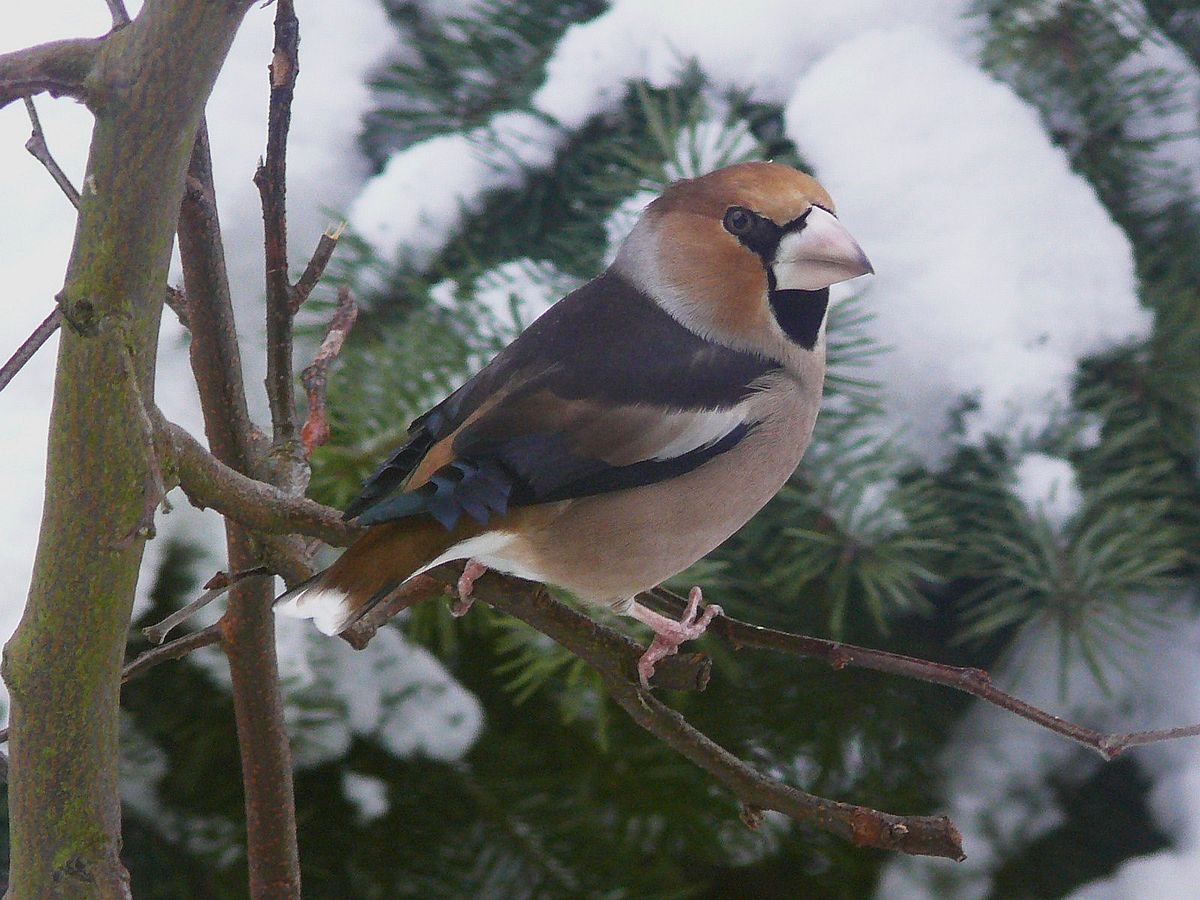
(146, 85)
(615, 657)
(59, 68)
(975, 682)
(32, 344)
(39, 150)
(271, 179)
(532, 604)
(315, 378)
(216, 586)
(316, 266)
(120, 16)
(208, 482)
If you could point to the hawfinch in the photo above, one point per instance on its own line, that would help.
(633, 427)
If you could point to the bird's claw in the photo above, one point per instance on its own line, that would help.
(472, 572)
(668, 639)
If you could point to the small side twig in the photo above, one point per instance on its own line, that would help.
(316, 267)
(120, 17)
(40, 150)
(216, 586)
(32, 344)
(315, 378)
(975, 682)
(176, 649)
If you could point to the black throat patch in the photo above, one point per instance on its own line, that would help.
(799, 313)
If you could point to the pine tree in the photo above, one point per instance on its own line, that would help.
(561, 795)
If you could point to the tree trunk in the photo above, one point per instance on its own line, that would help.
(62, 666)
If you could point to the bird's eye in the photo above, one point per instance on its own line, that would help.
(738, 221)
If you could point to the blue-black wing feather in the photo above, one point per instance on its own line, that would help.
(606, 343)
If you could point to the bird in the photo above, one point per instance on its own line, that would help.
(631, 428)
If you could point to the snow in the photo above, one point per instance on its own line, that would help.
(393, 692)
(423, 193)
(1048, 487)
(997, 768)
(367, 793)
(979, 285)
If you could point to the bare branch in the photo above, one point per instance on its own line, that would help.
(216, 586)
(271, 179)
(176, 649)
(316, 266)
(215, 356)
(39, 150)
(120, 17)
(208, 482)
(532, 604)
(32, 344)
(975, 682)
(315, 378)
(59, 68)
(865, 827)
(615, 657)
(177, 301)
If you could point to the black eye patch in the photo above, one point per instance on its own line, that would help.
(757, 232)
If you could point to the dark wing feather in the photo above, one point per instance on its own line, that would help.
(579, 387)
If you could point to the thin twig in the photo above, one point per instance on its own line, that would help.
(32, 344)
(975, 682)
(315, 378)
(177, 302)
(271, 179)
(40, 150)
(316, 267)
(217, 585)
(120, 17)
(176, 649)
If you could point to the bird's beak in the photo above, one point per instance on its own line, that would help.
(820, 254)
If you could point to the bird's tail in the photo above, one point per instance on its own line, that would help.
(374, 565)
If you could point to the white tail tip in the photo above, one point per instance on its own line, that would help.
(327, 607)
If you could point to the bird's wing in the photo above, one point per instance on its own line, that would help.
(604, 392)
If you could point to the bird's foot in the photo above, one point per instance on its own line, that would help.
(669, 634)
(472, 572)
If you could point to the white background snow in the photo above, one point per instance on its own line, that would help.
(998, 269)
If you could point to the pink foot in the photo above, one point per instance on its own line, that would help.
(472, 572)
(669, 634)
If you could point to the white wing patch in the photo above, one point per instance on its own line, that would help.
(700, 429)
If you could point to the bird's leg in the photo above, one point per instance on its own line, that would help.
(669, 634)
(472, 572)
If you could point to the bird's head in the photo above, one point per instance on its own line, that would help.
(744, 255)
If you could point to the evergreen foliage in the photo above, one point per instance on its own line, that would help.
(562, 795)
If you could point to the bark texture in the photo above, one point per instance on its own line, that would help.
(147, 88)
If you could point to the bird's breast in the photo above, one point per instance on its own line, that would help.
(607, 547)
